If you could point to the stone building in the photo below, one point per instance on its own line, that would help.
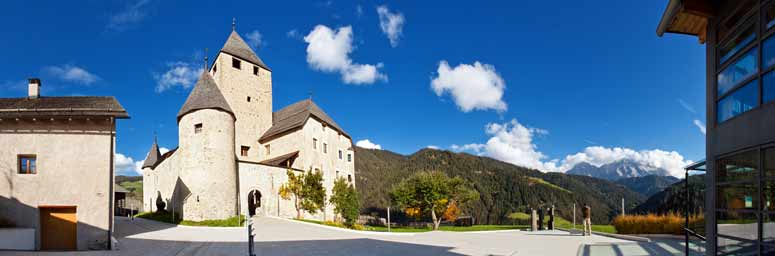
(56, 169)
(234, 150)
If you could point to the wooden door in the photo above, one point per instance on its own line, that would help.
(58, 228)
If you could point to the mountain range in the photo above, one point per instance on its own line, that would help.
(504, 188)
(624, 168)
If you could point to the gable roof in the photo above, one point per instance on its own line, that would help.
(153, 156)
(282, 160)
(62, 106)
(295, 116)
(237, 47)
(205, 95)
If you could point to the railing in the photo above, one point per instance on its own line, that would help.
(694, 246)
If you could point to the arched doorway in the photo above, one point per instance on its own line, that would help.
(254, 202)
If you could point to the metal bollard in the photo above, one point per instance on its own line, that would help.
(251, 235)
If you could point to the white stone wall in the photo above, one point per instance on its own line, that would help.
(253, 118)
(73, 161)
(199, 181)
(267, 180)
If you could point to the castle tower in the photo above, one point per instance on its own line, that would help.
(246, 84)
(207, 187)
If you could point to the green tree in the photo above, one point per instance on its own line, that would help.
(432, 192)
(313, 192)
(345, 201)
(293, 190)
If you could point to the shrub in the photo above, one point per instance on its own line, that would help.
(671, 223)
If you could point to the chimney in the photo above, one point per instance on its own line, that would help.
(34, 88)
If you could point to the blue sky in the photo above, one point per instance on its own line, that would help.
(589, 81)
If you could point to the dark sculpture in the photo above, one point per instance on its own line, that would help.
(551, 217)
(540, 218)
(159, 203)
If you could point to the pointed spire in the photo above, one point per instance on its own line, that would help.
(236, 46)
(205, 95)
(206, 59)
(233, 24)
(153, 156)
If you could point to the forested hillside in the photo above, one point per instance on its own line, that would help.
(504, 188)
(672, 198)
(648, 185)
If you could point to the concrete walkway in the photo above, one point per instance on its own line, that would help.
(286, 237)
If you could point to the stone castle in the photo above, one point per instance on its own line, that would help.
(234, 150)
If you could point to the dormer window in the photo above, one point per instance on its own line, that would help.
(236, 63)
(255, 70)
(198, 128)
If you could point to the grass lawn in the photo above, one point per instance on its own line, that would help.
(422, 229)
(563, 223)
(167, 217)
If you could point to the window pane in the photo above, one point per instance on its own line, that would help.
(738, 71)
(738, 224)
(769, 162)
(735, 247)
(768, 195)
(769, 16)
(740, 101)
(741, 166)
(737, 196)
(741, 8)
(768, 229)
(737, 43)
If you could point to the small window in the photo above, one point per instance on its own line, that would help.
(340, 154)
(349, 178)
(268, 150)
(236, 63)
(337, 173)
(349, 157)
(198, 128)
(27, 164)
(255, 70)
(215, 68)
(248, 98)
(244, 150)
(325, 148)
(314, 143)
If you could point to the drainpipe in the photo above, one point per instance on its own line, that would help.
(112, 182)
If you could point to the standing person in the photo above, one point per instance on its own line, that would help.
(587, 213)
(541, 218)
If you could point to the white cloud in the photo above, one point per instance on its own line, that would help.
(392, 24)
(367, 144)
(329, 51)
(71, 73)
(129, 16)
(179, 73)
(293, 33)
(359, 10)
(254, 39)
(125, 165)
(513, 142)
(472, 87)
(472, 147)
(433, 147)
(700, 125)
(163, 150)
(687, 106)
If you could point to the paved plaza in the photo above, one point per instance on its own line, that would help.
(286, 237)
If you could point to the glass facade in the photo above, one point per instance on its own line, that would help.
(745, 202)
(768, 84)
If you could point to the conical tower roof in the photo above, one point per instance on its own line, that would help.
(205, 95)
(237, 47)
(153, 156)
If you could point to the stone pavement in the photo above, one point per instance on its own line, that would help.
(286, 237)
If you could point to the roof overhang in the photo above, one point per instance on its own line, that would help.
(688, 17)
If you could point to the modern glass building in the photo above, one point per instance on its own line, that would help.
(740, 141)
